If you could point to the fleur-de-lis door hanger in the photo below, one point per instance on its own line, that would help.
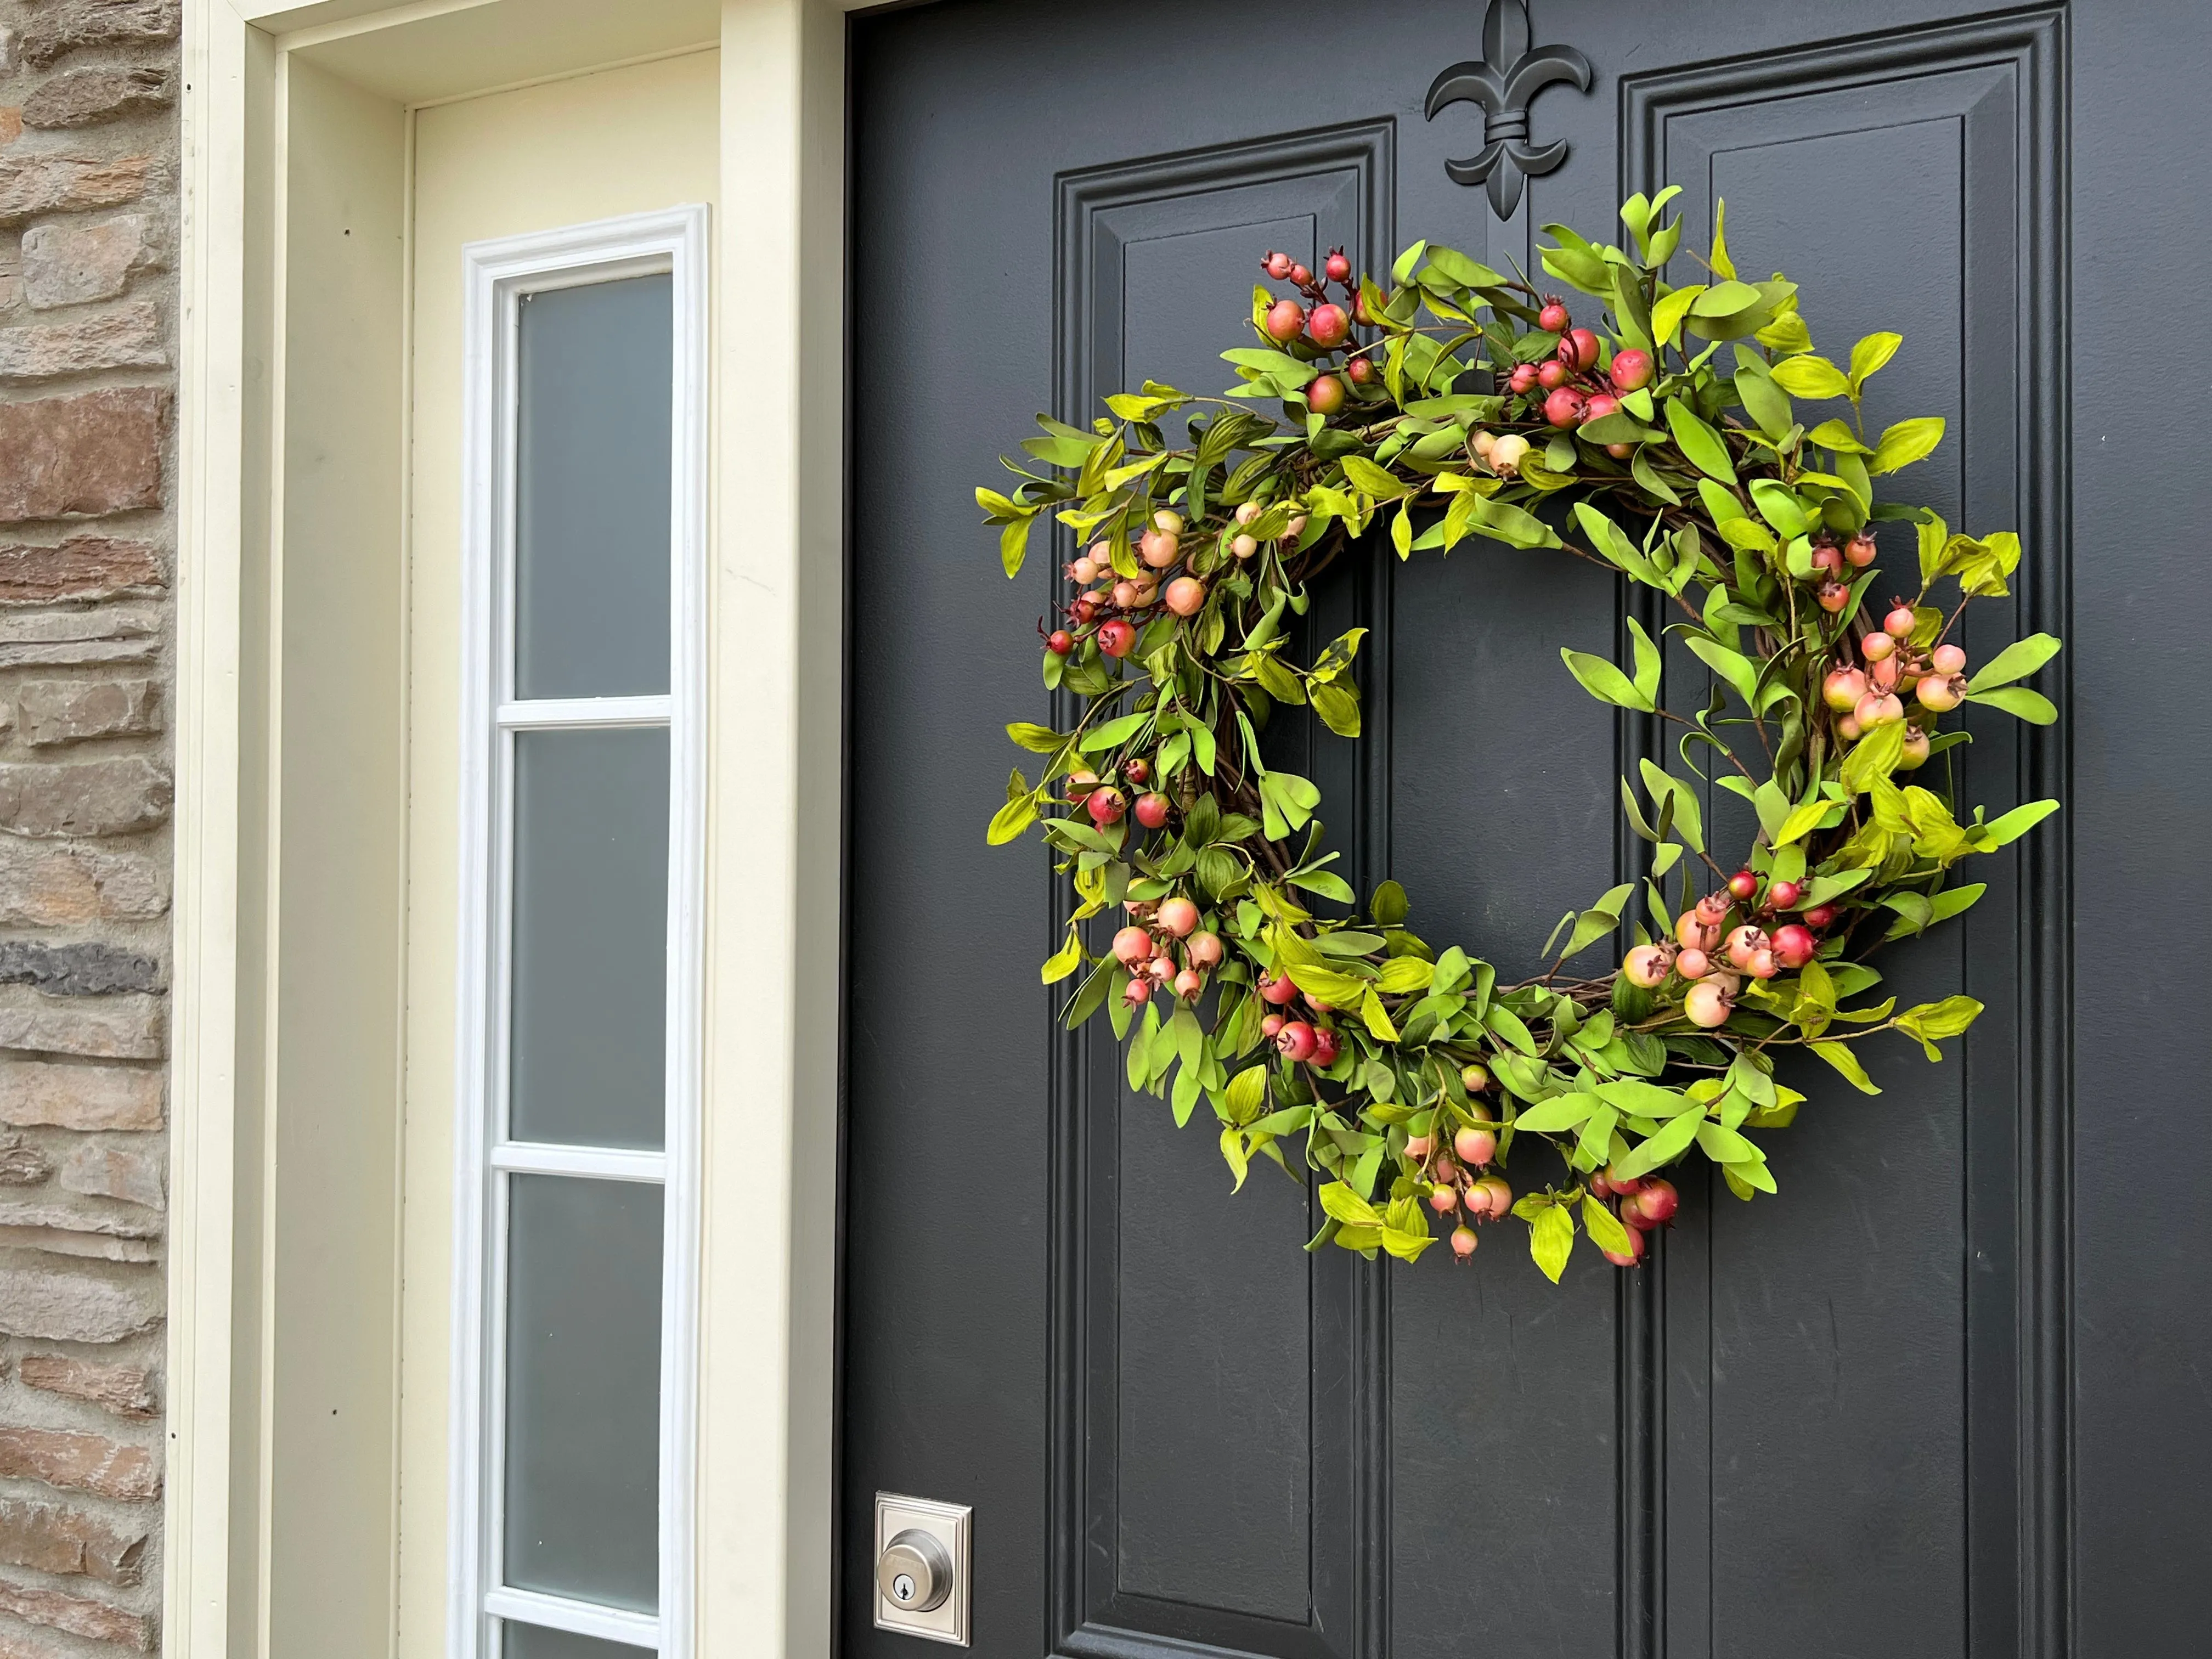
(1502, 81)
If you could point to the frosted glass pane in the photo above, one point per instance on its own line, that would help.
(535, 1642)
(592, 482)
(588, 1047)
(583, 1388)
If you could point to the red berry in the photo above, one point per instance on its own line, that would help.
(1744, 942)
(1328, 325)
(1337, 266)
(1326, 395)
(1624, 1185)
(1742, 885)
(1861, 551)
(1287, 320)
(1105, 807)
(1657, 1202)
(1600, 406)
(1827, 556)
(1269, 1026)
(1522, 377)
(1301, 276)
(1188, 984)
(1151, 810)
(1833, 596)
(1783, 895)
(1277, 266)
(1794, 945)
(1843, 687)
(1186, 596)
(1060, 642)
(1551, 374)
(1821, 916)
(1137, 771)
(1564, 407)
(1296, 1041)
(1116, 638)
(1204, 949)
(1278, 990)
(1326, 1046)
(1360, 370)
(1634, 1254)
(1553, 319)
(1131, 945)
(1585, 347)
(1137, 992)
(1632, 370)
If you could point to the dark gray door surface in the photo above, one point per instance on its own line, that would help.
(1950, 1392)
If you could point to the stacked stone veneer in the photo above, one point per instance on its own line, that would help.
(88, 330)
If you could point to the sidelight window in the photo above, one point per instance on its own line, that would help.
(578, 1104)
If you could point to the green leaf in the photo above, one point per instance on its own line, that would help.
(1869, 355)
(1780, 507)
(1719, 260)
(1703, 447)
(1403, 974)
(1666, 315)
(1810, 377)
(1835, 436)
(1370, 479)
(1389, 905)
(1509, 524)
(1340, 1203)
(1038, 739)
(2015, 662)
(1840, 1056)
(1114, 733)
(1906, 442)
(1600, 920)
(1648, 662)
(1063, 961)
(1604, 1227)
(1247, 1093)
(1605, 682)
(1551, 1241)
(1010, 820)
(2031, 706)
(1673, 1140)
(1736, 669)
(1557, 1114)
(2012, 825)
(1947, 1019)
(1805, 819)
(1013, 546)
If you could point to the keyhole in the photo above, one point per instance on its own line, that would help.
(902, 1586)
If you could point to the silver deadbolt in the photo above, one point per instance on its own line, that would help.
(915, 1572)
(924, 1554)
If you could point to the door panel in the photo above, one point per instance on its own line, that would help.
(1837, 1421)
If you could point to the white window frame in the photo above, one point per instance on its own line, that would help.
(497, 273)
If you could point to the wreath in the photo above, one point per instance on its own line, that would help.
(1457, 403)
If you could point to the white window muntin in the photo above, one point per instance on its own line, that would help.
(498, 275)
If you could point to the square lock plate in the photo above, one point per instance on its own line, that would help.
(948, 1525)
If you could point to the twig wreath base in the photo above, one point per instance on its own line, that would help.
(1458, 403)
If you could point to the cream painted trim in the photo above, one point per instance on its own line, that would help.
(211, 405)
(764, 1548)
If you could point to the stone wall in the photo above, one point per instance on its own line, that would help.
(88, 330)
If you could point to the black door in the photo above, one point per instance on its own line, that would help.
(1948, 1393)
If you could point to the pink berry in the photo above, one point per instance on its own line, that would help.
(1861, 551)
(1947, 660)
(1899, 623)
(1693, 965)
(1105, 807)
(1463, 1241)
(1338, 268)
(1278, 990)
(1326, 395)
(1783, 895)
(1287, 320)
(1647, 965)
(1328, 325)
(1564, 407)
(1177, 915)
(1940, 693)
(1186, 596)
(1708, 1004)
(1742, 886)
(1843, 687)
(1443, 1200)
(1553, 319)
(1151, 810)
(1584, 344)
(1204, 949)
(1131, 945)
(1475, 1147)
(1277, 266)
(1632, 370)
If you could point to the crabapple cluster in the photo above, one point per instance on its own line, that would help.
(1567, 389)
(1871, 692)
(1312, 1041)
(1643, 1203)
(1319, 325)
(1749, 928)
(1164, 946)
(1114, 612)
